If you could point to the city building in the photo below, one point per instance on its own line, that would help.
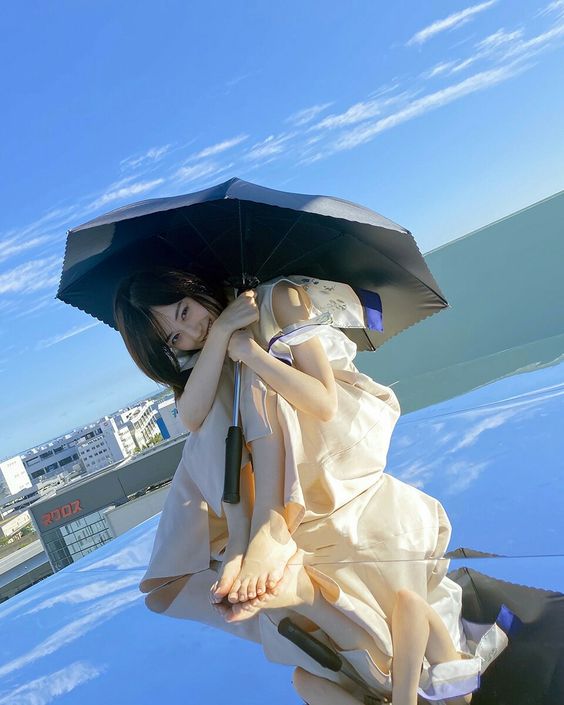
(13, 525)
(168, 421)
(83, 450)
(13, 476)
(23, 568)
(141, 420)
(54, 457)
(103, 446)
(83, 515)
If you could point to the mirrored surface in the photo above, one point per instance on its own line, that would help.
(493, 457)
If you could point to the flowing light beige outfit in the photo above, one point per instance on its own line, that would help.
(365, 533)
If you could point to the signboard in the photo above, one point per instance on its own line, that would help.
(61, 513)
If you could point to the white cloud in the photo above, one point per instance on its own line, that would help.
(46, 689)
(556, 6)
(99, 613)
(359, 112)
(501, 46)
(530, 47)
(38, 304)
(120, 193)
(31, 276)
(220, 147)
(356, 113)
(199, 171)
(14, 245)
(302, 117)
(499, 38)
(270, 146)
(416, 474)
(49, 342)
(43, 231)
(455, 20)
(312, 158)
(84, 593)
(473, 432)
(152, 155)
(479, 81)
(234, 81)
(459, 476)
(461, 65)
(439, 69)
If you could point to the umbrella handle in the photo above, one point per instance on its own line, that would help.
(310, 645)
(234, 448)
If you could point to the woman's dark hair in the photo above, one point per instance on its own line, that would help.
(142, 333)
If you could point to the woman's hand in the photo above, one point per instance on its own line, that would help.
(240, 313)
(240, 346)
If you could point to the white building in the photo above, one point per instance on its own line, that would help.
(102, 446)
(54, 457)
(15, 524)
(13, 476)
(89, 448)
(62, 456)
(141, 420)
(169, 417)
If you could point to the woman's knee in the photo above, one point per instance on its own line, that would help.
(408, 601)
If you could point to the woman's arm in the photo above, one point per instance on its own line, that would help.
(197, 398)
(309, 385)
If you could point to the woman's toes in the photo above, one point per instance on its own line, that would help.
(244, 590)
(234, 592)
(252, 589)
(261, 585)
(272, 582)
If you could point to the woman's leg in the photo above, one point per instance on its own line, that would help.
(271, 545)
(319, 691)
(417, 631)
(238, 517)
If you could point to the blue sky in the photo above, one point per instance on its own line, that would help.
(443, 116)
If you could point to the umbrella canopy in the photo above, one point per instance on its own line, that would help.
(531, 669)
(245, 234)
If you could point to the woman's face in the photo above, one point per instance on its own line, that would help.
(186, 323)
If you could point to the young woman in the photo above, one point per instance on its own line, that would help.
(360, 552)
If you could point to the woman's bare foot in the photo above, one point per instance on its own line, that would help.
(230, 568)
(270, 548)
(294, 589)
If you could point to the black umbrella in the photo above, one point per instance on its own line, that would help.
(244, 234)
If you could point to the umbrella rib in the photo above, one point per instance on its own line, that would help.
(400, 266)
(296, 259)
(368, 338)
(381, 254)
(202, 238)
(279, 244)
(241, 249)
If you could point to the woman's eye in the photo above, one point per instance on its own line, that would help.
(174, 339)
(184, 312)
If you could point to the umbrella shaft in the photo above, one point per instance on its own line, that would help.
(236, 395)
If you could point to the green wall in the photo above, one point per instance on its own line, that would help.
(506, 315)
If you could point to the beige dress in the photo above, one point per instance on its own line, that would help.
(365, 533)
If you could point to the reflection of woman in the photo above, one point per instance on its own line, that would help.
(368, 566)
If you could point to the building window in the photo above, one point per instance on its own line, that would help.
(76, 539)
